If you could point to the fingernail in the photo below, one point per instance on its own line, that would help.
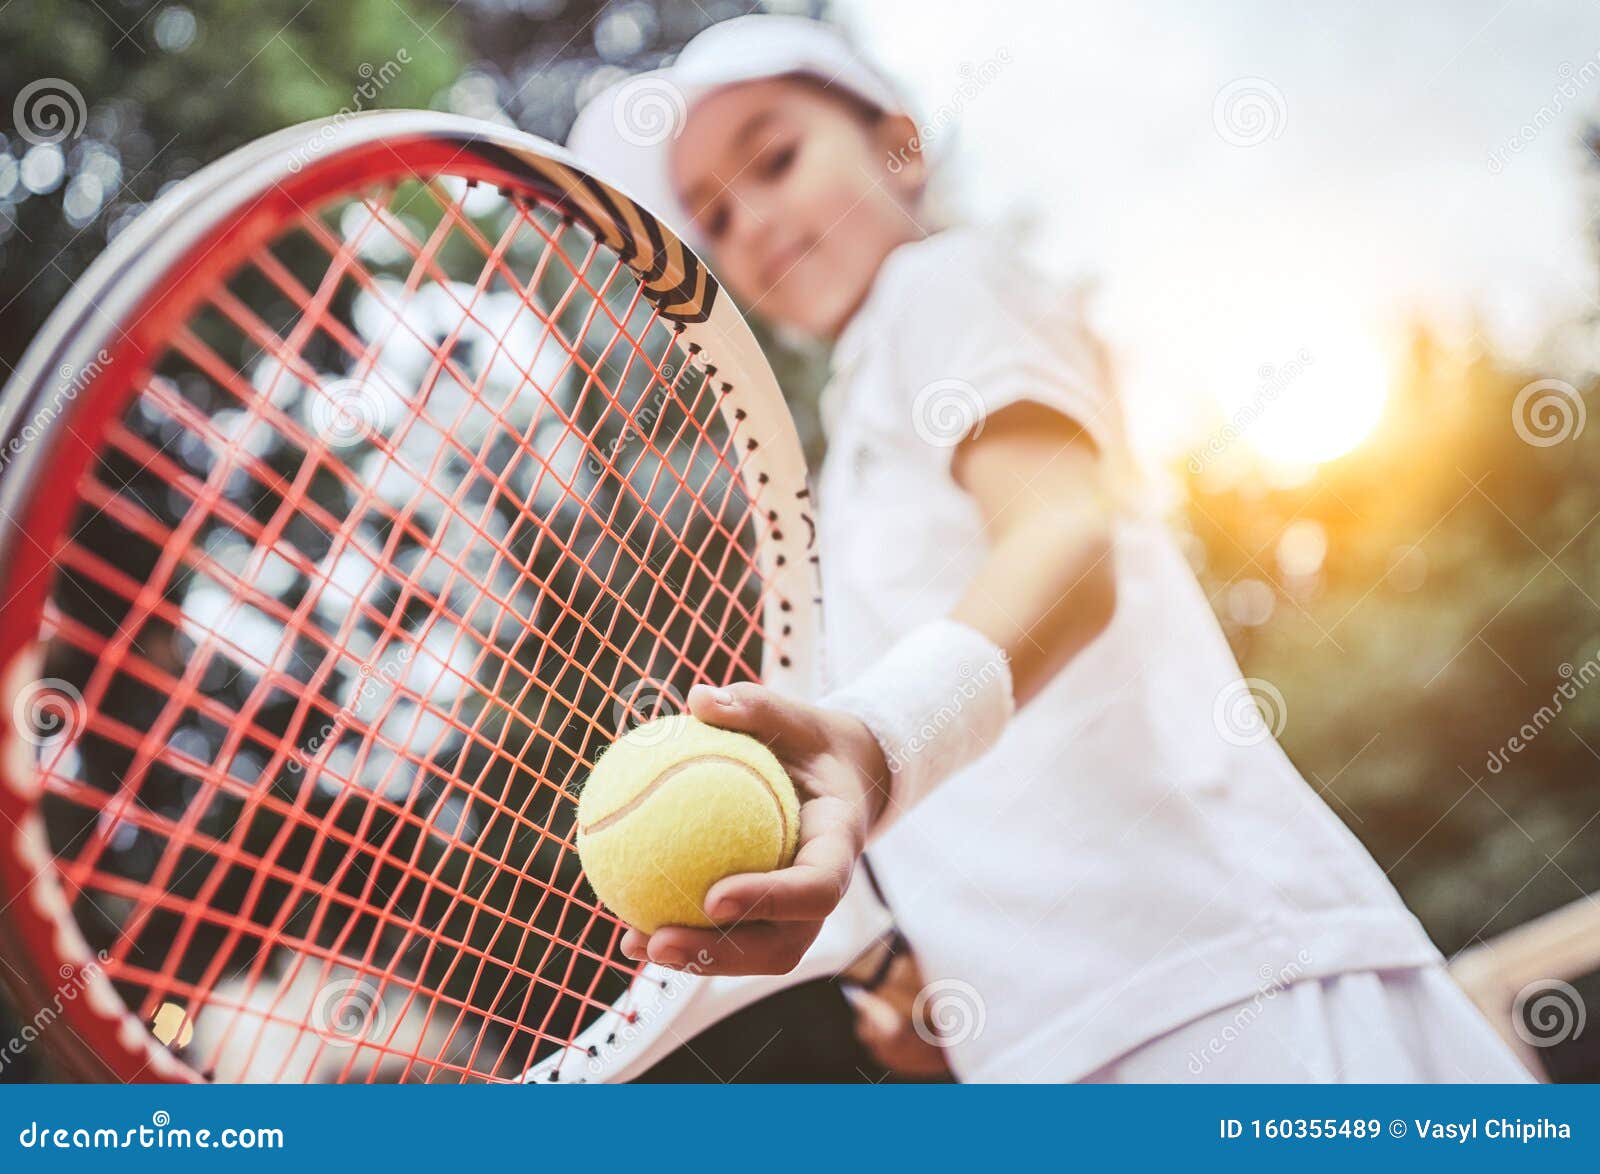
(669, 956)
(721, 696)
(723, 911)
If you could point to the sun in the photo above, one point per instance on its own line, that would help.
(1323, 411)
(1318, 403)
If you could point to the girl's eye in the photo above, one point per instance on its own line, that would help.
(714, 222)
(777, 162)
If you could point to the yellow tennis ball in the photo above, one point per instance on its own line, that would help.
(674, 806)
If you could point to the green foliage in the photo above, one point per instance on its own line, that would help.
(163, 97)
(1456, 599)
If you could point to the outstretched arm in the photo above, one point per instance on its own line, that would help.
(1044, 590)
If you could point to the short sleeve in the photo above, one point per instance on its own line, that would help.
(975, 330)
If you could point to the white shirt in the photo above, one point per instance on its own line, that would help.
(1137, 850)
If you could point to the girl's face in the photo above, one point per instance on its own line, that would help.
(799, 196)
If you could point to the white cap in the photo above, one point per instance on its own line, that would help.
(626, 132)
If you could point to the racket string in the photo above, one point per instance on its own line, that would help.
(80, 560)
(599, 304)
(641, 502)
(478, 585)
(644, 570)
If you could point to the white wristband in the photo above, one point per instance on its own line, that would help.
(935, 701)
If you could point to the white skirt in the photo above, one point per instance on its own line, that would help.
(1412, 1026)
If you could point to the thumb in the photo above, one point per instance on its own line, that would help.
(752, 709)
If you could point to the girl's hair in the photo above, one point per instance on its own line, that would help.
(867, 113)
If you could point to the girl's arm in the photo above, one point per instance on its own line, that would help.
(1044, 590)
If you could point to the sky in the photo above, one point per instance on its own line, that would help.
(1251, 183)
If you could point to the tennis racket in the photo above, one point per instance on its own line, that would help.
(372, 482)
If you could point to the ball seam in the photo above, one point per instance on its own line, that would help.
(676, 769)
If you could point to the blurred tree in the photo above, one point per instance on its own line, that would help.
(150, 90)
(145, 92)
(1420, 604)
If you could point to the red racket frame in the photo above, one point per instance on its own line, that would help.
(227, 212)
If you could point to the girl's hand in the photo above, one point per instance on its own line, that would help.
(767, 920)
(898, 1034)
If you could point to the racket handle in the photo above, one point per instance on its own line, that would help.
(857, 925)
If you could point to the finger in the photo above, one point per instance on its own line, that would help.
(748, 708)
(633, 945)
(810, 888)
(750, 949)
(907, 1054)
(800, 893)
(893, 1040)
(876, 1019)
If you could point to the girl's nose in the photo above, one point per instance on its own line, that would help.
(749, 217)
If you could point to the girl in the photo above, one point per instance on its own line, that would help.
(1033, 720)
